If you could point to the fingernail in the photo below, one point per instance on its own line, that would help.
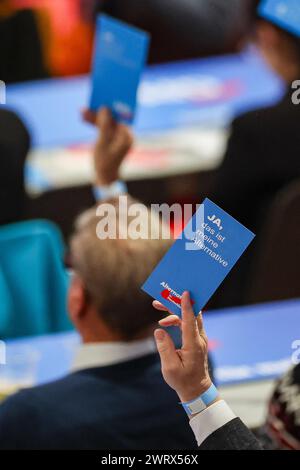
(159, 335)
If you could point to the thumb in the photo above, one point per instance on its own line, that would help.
(166, 349)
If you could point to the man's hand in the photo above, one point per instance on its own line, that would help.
(185, 370)
(112, 146)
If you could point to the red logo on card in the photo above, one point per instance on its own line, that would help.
(166, 294)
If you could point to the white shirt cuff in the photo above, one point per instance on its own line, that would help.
(210, 420)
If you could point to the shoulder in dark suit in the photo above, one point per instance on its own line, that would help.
(125, 406)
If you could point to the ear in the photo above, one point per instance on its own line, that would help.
(76, 299)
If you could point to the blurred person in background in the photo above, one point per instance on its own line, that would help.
(14, 146)
(282, 428)
(114, 397)
(185, 370)
(65, 31)
(185, 28)
(21, 48)
(60, 32)
(262, 153)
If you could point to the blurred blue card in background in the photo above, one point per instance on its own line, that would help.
(120, 54)
(200, 259)
(283, 13)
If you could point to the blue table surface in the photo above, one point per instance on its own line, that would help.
(201, 92)
(247, 343)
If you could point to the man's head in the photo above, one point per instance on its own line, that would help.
(280, 47)
(105, 299)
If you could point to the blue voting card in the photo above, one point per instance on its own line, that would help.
(284, 13)
(200, 258)
(120, 54)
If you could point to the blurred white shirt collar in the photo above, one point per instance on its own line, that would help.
(107, 354)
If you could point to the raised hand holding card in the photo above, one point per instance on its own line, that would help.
(119, 58)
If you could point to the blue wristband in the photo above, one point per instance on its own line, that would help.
(102, 193)
(202, 402)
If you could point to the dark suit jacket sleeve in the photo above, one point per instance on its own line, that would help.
(233, 436)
